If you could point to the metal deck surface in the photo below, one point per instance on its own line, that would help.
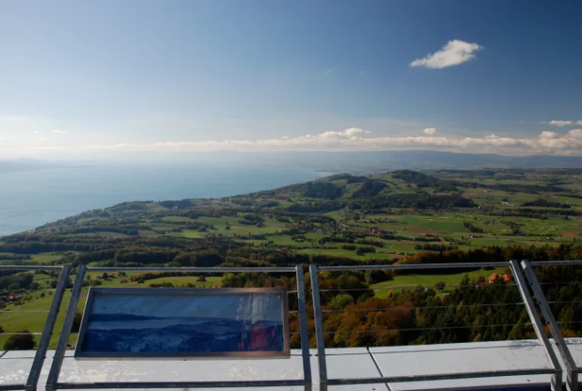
(346, 363)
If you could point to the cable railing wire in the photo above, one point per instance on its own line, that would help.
(420, 307)
(409, 286)
(427, 328)
(561, 283)
(564, 302)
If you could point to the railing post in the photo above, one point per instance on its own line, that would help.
(47, 332)
(304, 332)
(571, 367)
(537, 325)
(313, 273)
(55, 370)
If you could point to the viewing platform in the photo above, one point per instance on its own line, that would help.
(549, 362)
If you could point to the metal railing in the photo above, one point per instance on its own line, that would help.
(53, 384)
(572, 368)
(555, 369)
(531, 298)
(39, 357)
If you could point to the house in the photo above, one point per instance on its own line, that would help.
(500, 277)
(507, 277)
(13, 298)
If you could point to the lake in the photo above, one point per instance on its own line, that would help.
(33, 198)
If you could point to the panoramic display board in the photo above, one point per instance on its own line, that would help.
(180, 323)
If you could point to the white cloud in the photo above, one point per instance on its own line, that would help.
(37, 132)
(57, 131)
(557, 122)
(429, 131)
(547, 134)
(42, 138)
(351, 133)
(453, 53)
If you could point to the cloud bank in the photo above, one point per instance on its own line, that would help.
(453, 53)
(355, 139)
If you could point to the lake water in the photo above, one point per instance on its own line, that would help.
(33, 198)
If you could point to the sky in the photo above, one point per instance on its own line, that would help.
(105, 78)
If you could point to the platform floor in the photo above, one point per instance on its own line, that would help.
(347, 363)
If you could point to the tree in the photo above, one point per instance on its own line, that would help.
(23, 340)
(184, 259)
(440, 285)
(376, 276)
(341, 301)
(230, 280)
(95, 283)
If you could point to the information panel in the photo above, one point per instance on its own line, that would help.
(180, 323)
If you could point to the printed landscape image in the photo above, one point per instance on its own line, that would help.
(191, 324)
(398, 217)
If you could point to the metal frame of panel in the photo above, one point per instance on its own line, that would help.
(572, 368)
(43, 344)
(52, 381)
(555, 371)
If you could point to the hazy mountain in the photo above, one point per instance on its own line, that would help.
(376, 162)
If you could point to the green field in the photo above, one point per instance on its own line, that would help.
(411, 281)
(31, 316)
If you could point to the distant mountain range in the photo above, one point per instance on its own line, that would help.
(378, 162)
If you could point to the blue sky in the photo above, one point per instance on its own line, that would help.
(106, 77)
